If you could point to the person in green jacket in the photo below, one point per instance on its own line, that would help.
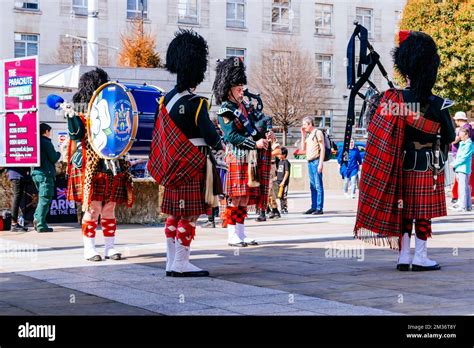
(43, 177)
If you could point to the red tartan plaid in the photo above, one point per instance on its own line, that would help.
(237, 177)
(259, 195)
(387, 193)
(174, 160)
(420, 200)
(187, 199)
(423, 124)
(74, 184)
(379, 211)
(101, 185)
(122, 191)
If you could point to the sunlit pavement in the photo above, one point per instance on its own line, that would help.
(303, 265)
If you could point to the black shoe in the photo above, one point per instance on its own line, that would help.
(417, 268)
(168, 273)
(317, 212)
(403, 267)
(454, 201)
(115, 257)
(284, 211)
(238, 245)
(275, 214)
(190, 274)
(268, 210)
(261, 218)
(18, 228)
(46, 229)
(309, 211)
(95, 258)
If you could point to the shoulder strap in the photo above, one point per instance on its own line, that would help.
(175, 99)
(198, 111)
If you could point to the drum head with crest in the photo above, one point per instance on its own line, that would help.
(115, 112)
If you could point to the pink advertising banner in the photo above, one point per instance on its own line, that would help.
(21, 123)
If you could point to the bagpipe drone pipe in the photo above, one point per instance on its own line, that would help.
(372, 96)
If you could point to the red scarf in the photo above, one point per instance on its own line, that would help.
(174, 160)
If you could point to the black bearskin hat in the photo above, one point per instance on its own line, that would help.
(88, 83)
(187, 57)
(229, 73)
(417, 58)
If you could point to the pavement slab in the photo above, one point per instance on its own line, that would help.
(303, 265)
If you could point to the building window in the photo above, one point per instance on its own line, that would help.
(26, 45)
(281, 15)
(27, 5)
(323, 21)
(137, 9)
(79, 7)
(324, 69)
(188, 11)
(365, 17)
(236, 52)
(79, 51)
(323, 120)
(236, 13)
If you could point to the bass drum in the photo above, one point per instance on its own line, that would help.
(121, 119)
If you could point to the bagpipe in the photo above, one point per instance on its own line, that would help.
(262, 122)
(372, 95)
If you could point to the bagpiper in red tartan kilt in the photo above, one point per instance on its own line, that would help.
(402, 182)
(180, 158)
(249, 165)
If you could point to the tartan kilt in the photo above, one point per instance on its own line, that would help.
(237, 177)
(122, 192)
(259, 195)
(420, 201)
(187, 199)
(105, 187)
(74, 185)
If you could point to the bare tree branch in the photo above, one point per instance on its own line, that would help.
(286, 81)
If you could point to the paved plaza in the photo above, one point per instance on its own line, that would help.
(304, 265)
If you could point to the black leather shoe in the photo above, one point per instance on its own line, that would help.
(317, 212)
(261, 218)
(117, 256)
(95, 258)
(18, 228)
(252, 243)
(309, 211)
(403, 267)
(168, 273)
(42, 230)
(190, 274)
(417, 268)
(238, 245)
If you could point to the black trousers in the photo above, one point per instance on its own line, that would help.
(18, 187)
